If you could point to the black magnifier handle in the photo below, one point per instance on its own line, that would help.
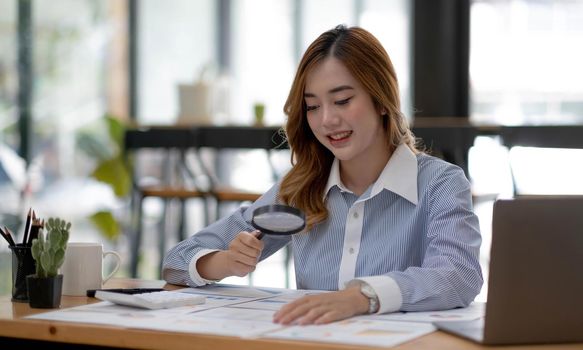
(260, 235)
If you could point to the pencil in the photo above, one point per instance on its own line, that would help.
(36, 225)
(26, 227)
(4, 235)
(9, 236)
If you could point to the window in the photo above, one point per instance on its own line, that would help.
(70, 56)
(262, 51)
(524, 65)
(8, 75)
(262, 59)
(10, 167)
(525, 68)
(390, 22)
(176, 45)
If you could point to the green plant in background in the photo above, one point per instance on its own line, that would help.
(49, 253)
(105, 144)
(259, 112)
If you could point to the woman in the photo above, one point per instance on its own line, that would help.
(389, 228)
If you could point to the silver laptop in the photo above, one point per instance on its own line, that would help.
(535, 289)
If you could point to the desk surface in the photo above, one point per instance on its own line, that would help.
(13, 325)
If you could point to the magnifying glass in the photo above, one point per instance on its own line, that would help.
(278, 220)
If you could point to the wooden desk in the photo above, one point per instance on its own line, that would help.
(12, 325)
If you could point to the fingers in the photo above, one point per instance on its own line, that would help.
(239, 264)
(239, 269)
(320, 315)
(247, 243)
(293, 311)
(308, 310)
(317, 309)
(243, 253)
(256, 233)
(243, 259)
(328, 317)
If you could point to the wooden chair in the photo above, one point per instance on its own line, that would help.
(174, 185)
(188, 143)
(218, 191)
(234, 138)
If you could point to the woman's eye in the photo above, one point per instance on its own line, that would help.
(343, 102)
(311, 108)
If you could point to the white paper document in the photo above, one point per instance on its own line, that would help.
(276, 302)
(470, 313)
(357, 332)
(237, 291)
(244, 323)
(243, 312)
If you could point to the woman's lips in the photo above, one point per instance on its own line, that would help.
(339, 138)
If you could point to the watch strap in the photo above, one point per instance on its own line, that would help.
(373, 298)
(367, 290)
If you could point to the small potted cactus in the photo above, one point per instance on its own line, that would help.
(44, 287)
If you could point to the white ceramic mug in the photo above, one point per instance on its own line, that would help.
(83, 268)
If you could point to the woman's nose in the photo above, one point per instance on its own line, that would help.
(329, 116)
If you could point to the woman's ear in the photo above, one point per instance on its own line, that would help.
(382, 111)
(384, 117)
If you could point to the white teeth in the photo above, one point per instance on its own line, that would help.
(340, 135)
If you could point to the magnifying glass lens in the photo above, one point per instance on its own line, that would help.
(279, 222)
(278, 219)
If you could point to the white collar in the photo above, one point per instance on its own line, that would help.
(398, 176)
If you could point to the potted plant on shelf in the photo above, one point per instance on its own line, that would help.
(44, 287)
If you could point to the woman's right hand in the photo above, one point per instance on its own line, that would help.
(239, 260)
(243, 253)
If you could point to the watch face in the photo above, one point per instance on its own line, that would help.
(368, 292)
(373, 305)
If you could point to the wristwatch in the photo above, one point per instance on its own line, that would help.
(373, 299)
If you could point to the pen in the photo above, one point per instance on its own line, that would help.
(26, 227)
(91, 292)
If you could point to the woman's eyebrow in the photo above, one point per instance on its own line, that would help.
(331, 91)
(340, 88)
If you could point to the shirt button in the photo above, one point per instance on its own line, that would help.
(351, 250)
(355, 215)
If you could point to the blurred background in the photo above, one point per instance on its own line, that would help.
(76, 74)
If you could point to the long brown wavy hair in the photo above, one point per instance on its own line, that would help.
(366, 59)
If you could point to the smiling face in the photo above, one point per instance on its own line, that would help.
(342, 115)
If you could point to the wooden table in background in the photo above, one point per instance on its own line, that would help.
(449, 137)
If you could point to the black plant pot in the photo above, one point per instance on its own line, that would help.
(44, 293)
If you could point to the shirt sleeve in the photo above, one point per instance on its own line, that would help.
(450, 275)
(179, 266)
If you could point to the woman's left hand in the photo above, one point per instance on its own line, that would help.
(323, 308)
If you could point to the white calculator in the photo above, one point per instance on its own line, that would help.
(154, 300)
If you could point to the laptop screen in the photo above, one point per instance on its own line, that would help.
(535, 288)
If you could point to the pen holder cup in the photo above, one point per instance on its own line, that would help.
(22, 265)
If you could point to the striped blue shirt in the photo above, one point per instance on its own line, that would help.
(412, 235)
